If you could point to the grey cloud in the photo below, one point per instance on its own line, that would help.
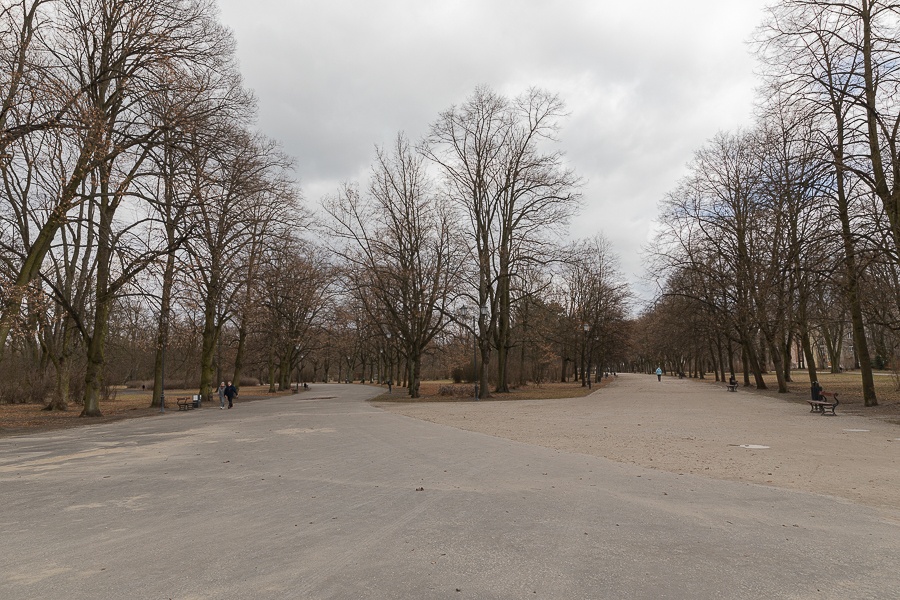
(647, 83)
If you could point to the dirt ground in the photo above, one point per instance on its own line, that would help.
(689, 426)
(17, 419)
(680, 426)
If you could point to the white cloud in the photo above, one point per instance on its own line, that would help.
(646, 84)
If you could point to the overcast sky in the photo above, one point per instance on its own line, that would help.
(646, 83)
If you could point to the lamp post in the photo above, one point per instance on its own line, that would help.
(162, 378)
(477, 318)
(390, 364)
(482, 313)
(586, 368)
(299, 359)
(464, 314)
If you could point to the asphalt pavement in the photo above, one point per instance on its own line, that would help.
(320, 495)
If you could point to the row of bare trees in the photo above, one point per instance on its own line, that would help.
(149, 234)
(464, 230)
(788, 235)
(134, 184)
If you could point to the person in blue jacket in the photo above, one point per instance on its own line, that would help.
(658, 374)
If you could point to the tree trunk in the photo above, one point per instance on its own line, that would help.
(751, 362)
(485, 351)
(210, 336)
(778, 364)
(96, 361)
(239, 355)
(284, 371)
(786, 357)
(853, 296)
(414, 373)
(162, 333)
(62, 364)
(271, 367)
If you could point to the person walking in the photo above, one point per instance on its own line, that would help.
(658, 374)
(230, 393)
(221, 391)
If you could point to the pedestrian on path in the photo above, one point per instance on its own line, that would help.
(658, 374)
(221, 391)
(230, 393)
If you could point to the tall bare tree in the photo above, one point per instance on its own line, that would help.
(516, 195)
(838, 60)
(402, 252)
(240, 185)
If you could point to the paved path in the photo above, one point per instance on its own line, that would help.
(684, 426)
(315, 496)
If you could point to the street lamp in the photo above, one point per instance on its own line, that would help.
(586, 368)
(464, 314)
(299, 365)
(477, 319)
(162, 379)
(483, 312)
(390, 364)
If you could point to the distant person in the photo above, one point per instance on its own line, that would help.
(658, 374)
(732, 381)
(230, 393)
(221, 391)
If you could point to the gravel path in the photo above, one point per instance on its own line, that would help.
(322, 496)
(682, 426)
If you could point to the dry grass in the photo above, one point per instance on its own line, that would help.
(429, 391)
(26, 418)
(848, 385)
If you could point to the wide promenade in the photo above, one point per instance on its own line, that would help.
(322, 495)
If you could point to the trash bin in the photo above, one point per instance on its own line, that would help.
(196, 400)
(815, 390)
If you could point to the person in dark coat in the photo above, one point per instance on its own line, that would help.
(231, 394)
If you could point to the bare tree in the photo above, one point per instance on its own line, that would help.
(239, 186)
(515, 195)
(402, 254)
(118, 57)
(297, 290)
(838, 60)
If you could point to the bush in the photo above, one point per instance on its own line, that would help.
(454, 390)
(25, 385)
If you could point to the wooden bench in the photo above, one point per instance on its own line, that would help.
(732, 387)
(186, 403)
(823, 404)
